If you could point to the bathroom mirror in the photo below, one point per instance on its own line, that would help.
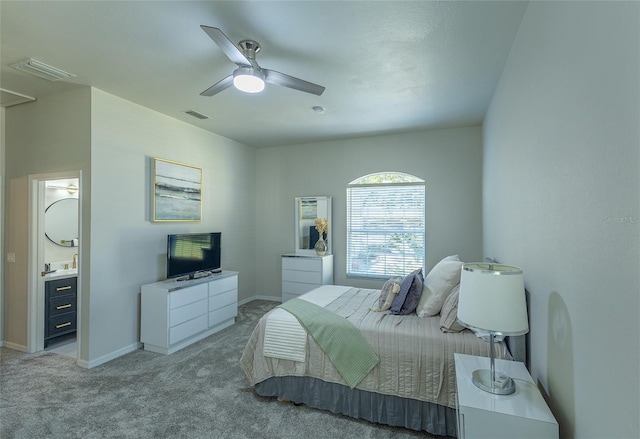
(307, 210)
(61, 222)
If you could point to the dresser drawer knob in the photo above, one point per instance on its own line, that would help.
(63, 325)
(68, 287)
(68, 305)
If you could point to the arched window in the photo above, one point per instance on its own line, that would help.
(385, 225)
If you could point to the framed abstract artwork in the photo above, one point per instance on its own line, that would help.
(308, 208)
(177, 191)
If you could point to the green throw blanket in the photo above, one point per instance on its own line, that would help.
(340, 340)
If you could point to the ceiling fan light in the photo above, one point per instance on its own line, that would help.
(248, 80)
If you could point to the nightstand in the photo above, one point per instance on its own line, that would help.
(524, 414)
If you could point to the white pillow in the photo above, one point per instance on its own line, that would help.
(438, 285)
(449, 314)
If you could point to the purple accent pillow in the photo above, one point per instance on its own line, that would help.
(410, 291)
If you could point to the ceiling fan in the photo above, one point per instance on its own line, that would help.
(249, 76)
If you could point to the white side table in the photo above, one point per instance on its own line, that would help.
(524, 414)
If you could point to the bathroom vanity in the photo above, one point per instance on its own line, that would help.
(60, 308)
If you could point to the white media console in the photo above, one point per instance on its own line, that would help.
(178, 313)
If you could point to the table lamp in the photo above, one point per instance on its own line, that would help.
(492, 300)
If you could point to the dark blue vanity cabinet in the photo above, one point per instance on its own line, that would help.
(60, 308)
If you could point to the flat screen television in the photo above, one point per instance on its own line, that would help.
(193, 254)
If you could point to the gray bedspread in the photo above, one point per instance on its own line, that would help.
(416, 358)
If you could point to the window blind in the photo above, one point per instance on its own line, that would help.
(385, 229)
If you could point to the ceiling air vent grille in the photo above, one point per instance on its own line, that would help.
(41, 70)
(196, 114)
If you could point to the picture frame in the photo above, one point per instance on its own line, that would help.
(308, 208)
(177, 192)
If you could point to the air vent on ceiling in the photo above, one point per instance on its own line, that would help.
(196, 114)
(41, 70)
(9, 98)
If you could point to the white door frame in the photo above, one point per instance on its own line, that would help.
(35, 302)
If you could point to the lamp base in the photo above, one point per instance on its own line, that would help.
(503, 385)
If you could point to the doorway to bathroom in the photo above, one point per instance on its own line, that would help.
(54, 263)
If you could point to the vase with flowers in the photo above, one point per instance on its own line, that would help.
(322, 226)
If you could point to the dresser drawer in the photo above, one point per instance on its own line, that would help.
(306, 277)
(61, 324)
(301, 264)
(188, 295)
(61, 287)
(223, 314)
(224, 285)
(224, 299)
(187, 329)
(61, 305)
(297, 288)
(175, 314)
(187, 312)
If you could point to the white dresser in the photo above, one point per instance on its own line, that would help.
(304, 273)
(177, 313)
(523, 414)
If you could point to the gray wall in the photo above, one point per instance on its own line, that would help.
(449, 160)
(113, 141)
(251, 204)
(561, 200)
(51, 134)
(127, 249)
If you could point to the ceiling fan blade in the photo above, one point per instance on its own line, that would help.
(277, 78)
(218, 86)
(229, 49)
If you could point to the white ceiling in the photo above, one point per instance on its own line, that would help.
(388, 66)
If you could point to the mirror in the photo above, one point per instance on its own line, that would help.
(307, 210)
(61, 222)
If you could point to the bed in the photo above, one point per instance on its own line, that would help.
(412, 385)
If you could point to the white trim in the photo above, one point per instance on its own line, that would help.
(259, 297)
(2, 213)
(106, 358)
(35, 284)
(15, 347)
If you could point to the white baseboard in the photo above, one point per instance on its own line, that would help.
(110, 356)
(15, 347)
(120, 352)
(259, 297)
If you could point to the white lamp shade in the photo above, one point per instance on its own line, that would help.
(248, 80)
(492, 299)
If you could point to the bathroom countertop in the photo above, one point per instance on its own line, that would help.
(61, 274)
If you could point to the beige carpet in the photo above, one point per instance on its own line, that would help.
(198, 392)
